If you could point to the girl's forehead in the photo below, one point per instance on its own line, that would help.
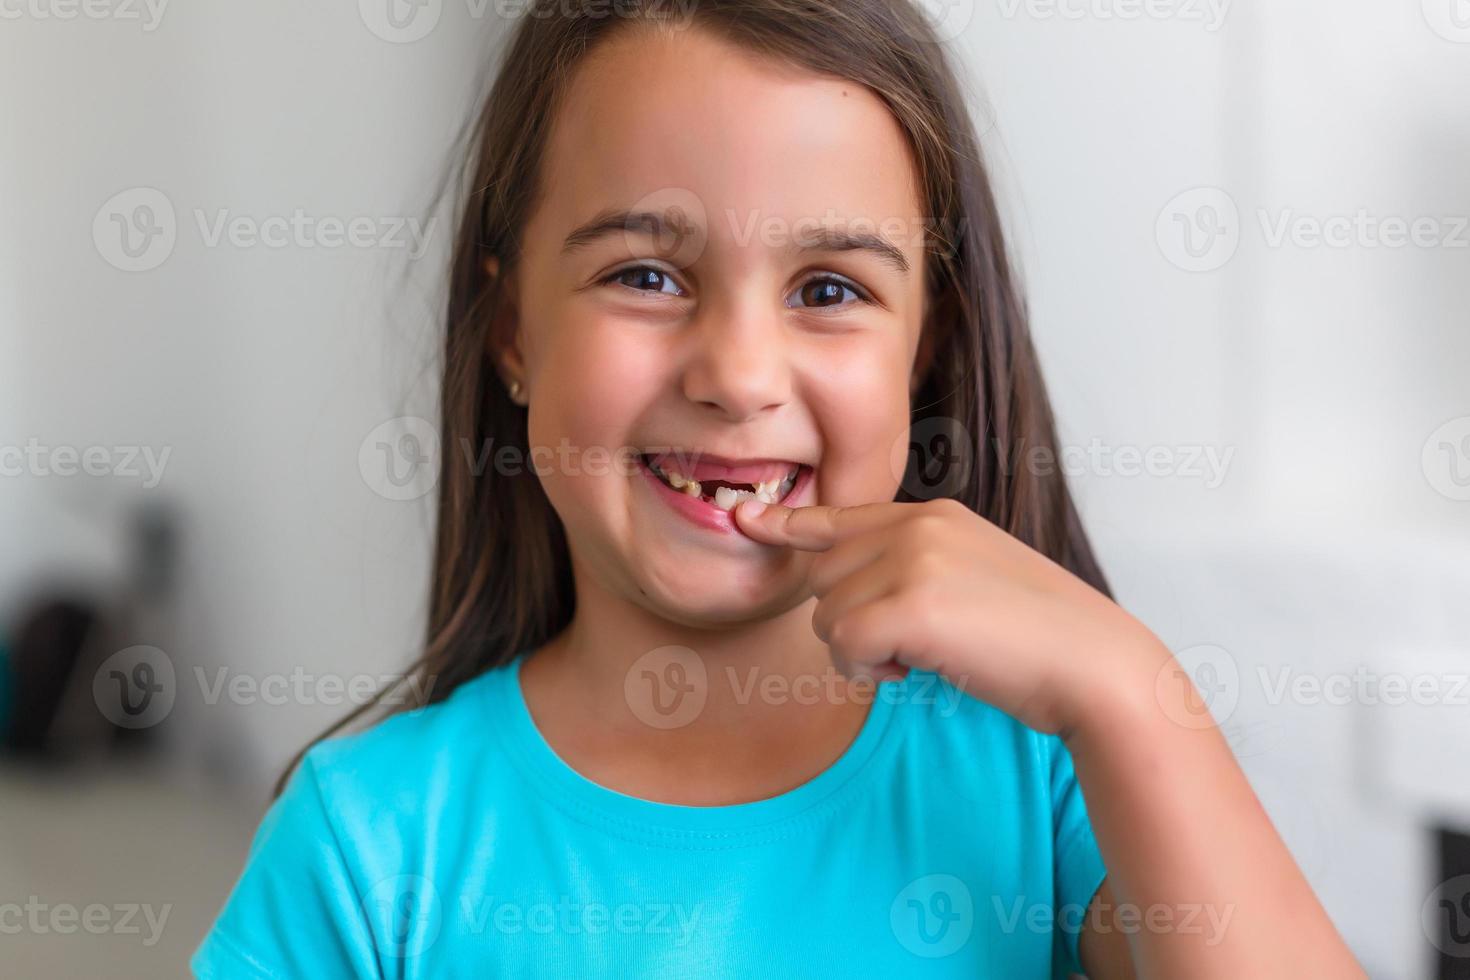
(751, 139)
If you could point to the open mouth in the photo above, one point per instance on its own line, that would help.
(724, 484)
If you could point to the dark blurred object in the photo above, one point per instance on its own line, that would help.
(43, 660)
(5, 692)
(64, 634)
(155, 549)
(1454, 900)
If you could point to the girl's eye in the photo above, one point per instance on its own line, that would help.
(827, 291)
(644, 279)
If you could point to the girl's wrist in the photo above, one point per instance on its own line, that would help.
(1126, 696)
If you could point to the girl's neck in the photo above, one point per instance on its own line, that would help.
(772, 711)
(609, 636)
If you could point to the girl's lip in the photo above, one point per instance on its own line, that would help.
(707, 515)
(700, 465)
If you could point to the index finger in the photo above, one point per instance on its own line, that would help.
(814, 528)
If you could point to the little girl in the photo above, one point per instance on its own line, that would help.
(725, 679)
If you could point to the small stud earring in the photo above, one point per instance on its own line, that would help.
(515, 392)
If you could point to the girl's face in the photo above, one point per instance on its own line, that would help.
(768, 326)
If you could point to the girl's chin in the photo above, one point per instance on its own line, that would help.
(723, 597)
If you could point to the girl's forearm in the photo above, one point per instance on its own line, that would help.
(1204, 885)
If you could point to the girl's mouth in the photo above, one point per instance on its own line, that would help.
(724, 493)
(707, 489)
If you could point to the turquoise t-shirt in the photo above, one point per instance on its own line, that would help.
(948, 840)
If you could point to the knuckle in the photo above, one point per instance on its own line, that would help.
(947, 507)
(822, 624)
(925, 564)
(931, 525)
(840, 633)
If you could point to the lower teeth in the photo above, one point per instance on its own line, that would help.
(726, 498)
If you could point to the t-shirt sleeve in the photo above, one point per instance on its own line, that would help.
(1079, 869)
(295, 910)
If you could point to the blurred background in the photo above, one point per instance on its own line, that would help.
(1245, 230)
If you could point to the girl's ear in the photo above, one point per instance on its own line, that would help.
(503, 339)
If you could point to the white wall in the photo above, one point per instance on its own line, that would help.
(260, 370)
(1329, 543)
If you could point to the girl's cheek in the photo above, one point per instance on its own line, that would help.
(861, 404)
(592, 385)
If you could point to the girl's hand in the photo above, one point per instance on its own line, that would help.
(933, 585)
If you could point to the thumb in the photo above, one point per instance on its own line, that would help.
(804, 528)
(814, 528)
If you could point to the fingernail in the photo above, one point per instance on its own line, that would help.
(753, 508)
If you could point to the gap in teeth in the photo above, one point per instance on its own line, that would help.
(726, 498)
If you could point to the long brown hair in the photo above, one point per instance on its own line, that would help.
(502, 579)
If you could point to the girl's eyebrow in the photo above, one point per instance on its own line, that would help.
(674, 224)
(825, 239)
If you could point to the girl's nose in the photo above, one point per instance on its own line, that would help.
(740, 365)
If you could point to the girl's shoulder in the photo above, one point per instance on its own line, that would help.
(401, 757)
